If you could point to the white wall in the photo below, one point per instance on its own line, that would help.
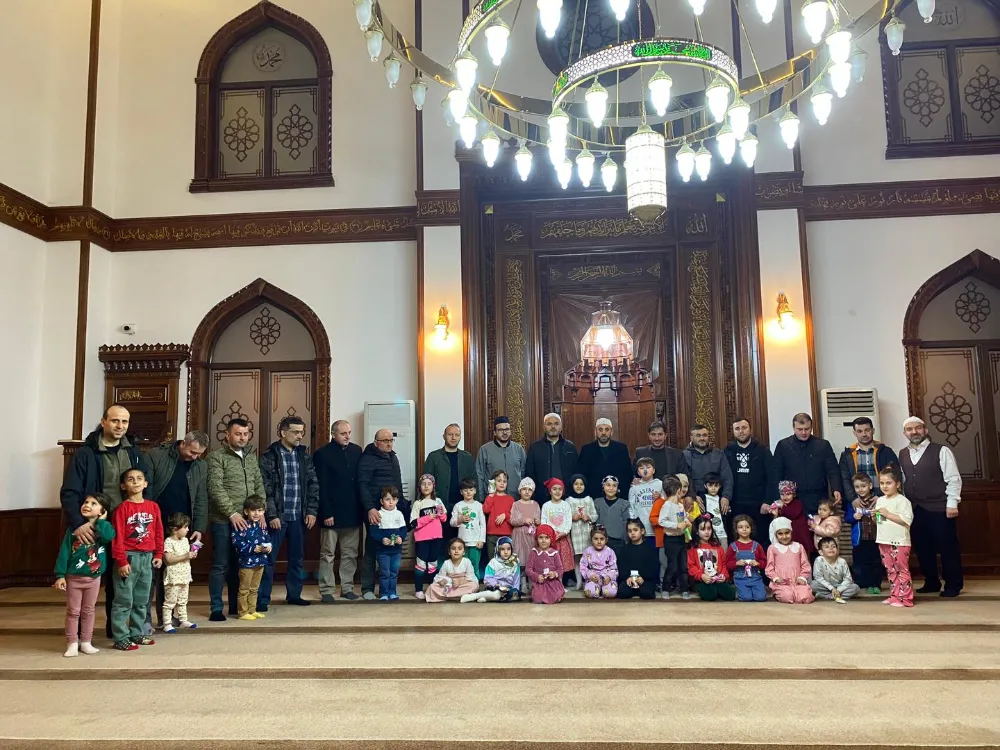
(864, 274)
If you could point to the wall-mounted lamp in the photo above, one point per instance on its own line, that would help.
(441, 327)
(785, 314)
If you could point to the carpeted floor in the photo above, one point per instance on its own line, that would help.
(410, 677)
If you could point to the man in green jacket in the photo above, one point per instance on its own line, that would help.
(450, 465)
(233, 476)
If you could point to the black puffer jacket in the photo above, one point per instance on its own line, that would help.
(375, 471)
(85, 475)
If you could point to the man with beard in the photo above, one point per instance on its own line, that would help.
(808, 461)
(703, 460)
(500, 454)
(754, 487)
(604, 457)
(553, 456)
(867, 456)
(668, 461)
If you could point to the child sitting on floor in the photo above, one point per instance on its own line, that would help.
(706, 561)
(545, 569)
(746, 560)
(456, 578)
(599, 567)
(502, 582)
(787, 565)
(831, 576)
(638, 567)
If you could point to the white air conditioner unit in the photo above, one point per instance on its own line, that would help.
(401, 418)
(840, 407)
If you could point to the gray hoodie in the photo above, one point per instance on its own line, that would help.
(492, 457)
(712, 460)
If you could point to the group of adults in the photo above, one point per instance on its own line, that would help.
(338, 488)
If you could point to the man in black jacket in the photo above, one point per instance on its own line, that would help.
(339, 511)
(97, 466)
(292, 504)
(604, 457)
(668, 461)
(754, 486)
(808, 461)
(378, 468)
(551, 456)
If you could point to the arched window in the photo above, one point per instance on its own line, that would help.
(942, 92)
(263, 111)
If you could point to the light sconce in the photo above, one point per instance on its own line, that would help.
(785, 314)
(441, 327)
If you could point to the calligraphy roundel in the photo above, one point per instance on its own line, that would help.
(268, 57)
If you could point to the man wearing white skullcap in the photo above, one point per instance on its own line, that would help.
(604, 457)
(933, 484)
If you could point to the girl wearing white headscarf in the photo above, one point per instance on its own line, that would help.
(787, 565)
(525, 515)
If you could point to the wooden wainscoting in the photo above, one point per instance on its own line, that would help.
(29, 543)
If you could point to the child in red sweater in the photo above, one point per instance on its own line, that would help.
(790, 507)
(707, 565)
(497, 508)
(137, 549)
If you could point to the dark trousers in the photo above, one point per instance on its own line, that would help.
(868, 570)
(295, 533)
(368, 564)
(225, 568)
(646, 591)
(108, 582)
(711, 592)
(933, 534)
(675, 578)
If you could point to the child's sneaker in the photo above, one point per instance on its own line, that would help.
(143, 640)
(394, 598)
(72, 649)
(419, 595)
(665, 595)
(248, 616)
(88, 648)
(169, 628)
(685, 595)
(874, 590)
(383, 598)
(256, 616)
(125, 645)
(187, 624)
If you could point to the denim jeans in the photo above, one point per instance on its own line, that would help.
(295, 533)
(388, 571)
(225, 568)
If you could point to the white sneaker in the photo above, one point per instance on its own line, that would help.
(685, 595)
(466, 598)
(665, 596)
(72, 649)
(87, 648)
(419, 595)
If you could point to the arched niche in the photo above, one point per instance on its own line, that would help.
(283, 337)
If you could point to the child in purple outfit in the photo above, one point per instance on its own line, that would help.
(599, 567)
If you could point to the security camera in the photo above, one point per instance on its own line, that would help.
(129, 328)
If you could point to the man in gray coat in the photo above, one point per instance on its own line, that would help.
(500, 454)
(703, 460)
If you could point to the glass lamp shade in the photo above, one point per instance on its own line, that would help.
(717, 98)
(765, 9)
(703, 162)
(491, 147)
(497, 36)
(814, 16)
(609, 173)
(698, 6)
(419, 91)
(789, 126)
(392, 66)
(739, 117)
(606, 338)
(597, 103)
(449, 118)
(725, 139)
(373, 39)
(363, 12)
(859, 62)
(659, 91)
(557, 152)
(620, 9)
(926, 10)
(822, 103)
(839, 44)
(467, 125)
(840, 78)
(465, 71)
(585, 167)
(748, 149)
(522, 159)
(894, 34)
(685, 162)
(646, 174)
(458, 103)
(549, 16)
(558, 126)
(564, 171)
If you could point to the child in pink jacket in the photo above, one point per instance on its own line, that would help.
(826, 522)
(788, 565)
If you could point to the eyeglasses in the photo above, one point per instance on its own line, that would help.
(386, 440)
(299, 431)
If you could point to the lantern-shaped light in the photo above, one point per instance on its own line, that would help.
(739, 117)
(839, 44)
(467, 125)
(814, 17)
(373, 39)
(419, 91)
(840, 78)
(585, 167)
(497, 35)
(609, 173)
(766, 8)
(659, 91)
(597, 103)
(748, 149)
(523, 161)
(558, 126)
(717, 98)
(392, 66)
(685, 162)
(564, 171)
(449, 118)
(363, 12)
(646, 174)
(859, 62)
(698, 6)
(822, 103)
(465, 71)
(549, 16)
(894, 34)
(620, 9)
(703, 162)
(557, 152)
(926, 9)
(491, 147)
(458, 103)
(725, 139)
(789, 126)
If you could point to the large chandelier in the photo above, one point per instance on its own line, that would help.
(586, 120)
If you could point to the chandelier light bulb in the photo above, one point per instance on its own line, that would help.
(620, 9)
(458, 103)
(926, 10)
(491, 147)
(789, 126)
(859, 62)
(698, 6)
(822, 103)
(558, 126)
(894, 34)
(564, 171)
(363, 12)
(739, 117)
(497, 35)
(814, 16)
(597, 103)
(465, 71)
(748, 149)
(717, 98)
(765, 9)
(839, 44)
(522, 159)
(685, 162)
(609, 173)
(605, 337)
(557, 152)
(659, 91)
(467, 125)
(373, 38)
(585, 167)
(392, 66)
(840, 78)
(703, 162)
(449, 118)
(725, 139)
(419, 91)
(549, 16)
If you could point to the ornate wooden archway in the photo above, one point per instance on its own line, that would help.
(219, 318)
